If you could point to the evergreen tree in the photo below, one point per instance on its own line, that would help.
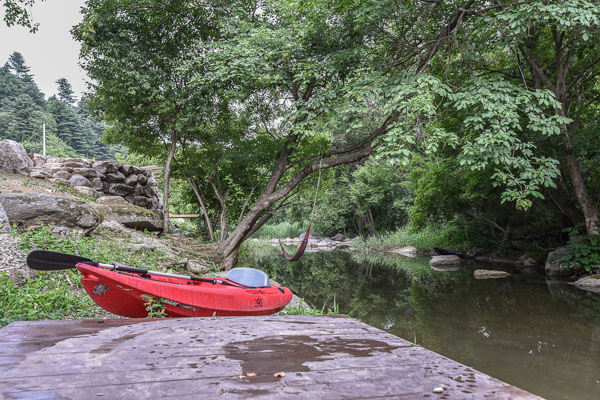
(70, 129)
(67, 123)
(65, 91)
(16, 61)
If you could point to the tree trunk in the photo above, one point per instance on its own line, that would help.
(170, 156)
(228, 249)
(200, 198)
(223, 221)
(590, 212)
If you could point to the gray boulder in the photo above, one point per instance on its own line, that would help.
(86, 191)
(130, 169)
(106, 167)
(339, 238)
(131, 216)
(75, 164)
(62, 174)
(131, 180)
(13, 158)
(4, 222)
(554, 266)
(112, 201)
(408, 251)
(97, 184)
(39, 159)
(312, 237)
(119, 189)
(78, 180)
(39, 173)
(489, 274)
(449, 260)
(590, 283)
(138, 201)
(115, 177)
(65, 214)
(87, 172)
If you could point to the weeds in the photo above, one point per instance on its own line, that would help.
(60, 294)
(47, 296)
(155, 307)
(93, 247)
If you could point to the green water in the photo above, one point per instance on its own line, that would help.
(541, 336)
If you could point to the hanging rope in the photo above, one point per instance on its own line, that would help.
(304, 242)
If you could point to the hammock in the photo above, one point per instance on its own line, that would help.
(304, 243)
(300, 250)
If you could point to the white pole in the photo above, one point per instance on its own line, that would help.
(44, 134)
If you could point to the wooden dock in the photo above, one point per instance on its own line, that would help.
(277, 357)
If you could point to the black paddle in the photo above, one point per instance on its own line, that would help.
(43, 260)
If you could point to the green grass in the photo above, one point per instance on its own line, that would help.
(60, 294)
(47, 296)
(94, 247)
(445, 236)
(282, 230)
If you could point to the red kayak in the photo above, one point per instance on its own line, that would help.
(126, 293)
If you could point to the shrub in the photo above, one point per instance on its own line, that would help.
(582, 251)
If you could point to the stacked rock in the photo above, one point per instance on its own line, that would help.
(103, 178)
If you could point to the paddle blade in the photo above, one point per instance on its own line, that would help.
(51, 261)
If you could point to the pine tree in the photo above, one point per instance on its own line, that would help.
(65, 91)
(17, 64)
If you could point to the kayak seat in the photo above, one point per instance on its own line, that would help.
(248, 277)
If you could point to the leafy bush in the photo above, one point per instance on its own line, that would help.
(582, 251)
(47, 296)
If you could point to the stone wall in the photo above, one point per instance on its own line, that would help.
(103, 178)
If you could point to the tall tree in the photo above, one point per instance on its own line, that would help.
(134, 51)
(16, 61)
(65, 91)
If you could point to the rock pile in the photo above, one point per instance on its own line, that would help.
(316, 242)
(104, 178)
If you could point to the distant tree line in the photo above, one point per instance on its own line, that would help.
(70, 130)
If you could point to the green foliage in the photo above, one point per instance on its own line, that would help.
(583, 251)
(454, 234)
(155, 307)
(299, 310)
(70, 131)
(281, 230)
(59, 294)
(94, 247)
(18, 12)
(47, 296)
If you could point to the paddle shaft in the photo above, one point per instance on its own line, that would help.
(43, 260)
(148, 272)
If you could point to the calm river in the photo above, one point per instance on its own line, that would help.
(538, 335)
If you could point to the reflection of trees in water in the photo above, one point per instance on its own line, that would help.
(514, 329)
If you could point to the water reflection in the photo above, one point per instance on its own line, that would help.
(543, 336)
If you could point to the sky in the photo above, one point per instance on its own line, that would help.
(51, 52)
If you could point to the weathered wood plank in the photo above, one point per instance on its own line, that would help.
(321, 356)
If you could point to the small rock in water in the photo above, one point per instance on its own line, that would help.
(590, 283)
(444, 260)
(408, 251)
(438, 390)
(489, 274)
